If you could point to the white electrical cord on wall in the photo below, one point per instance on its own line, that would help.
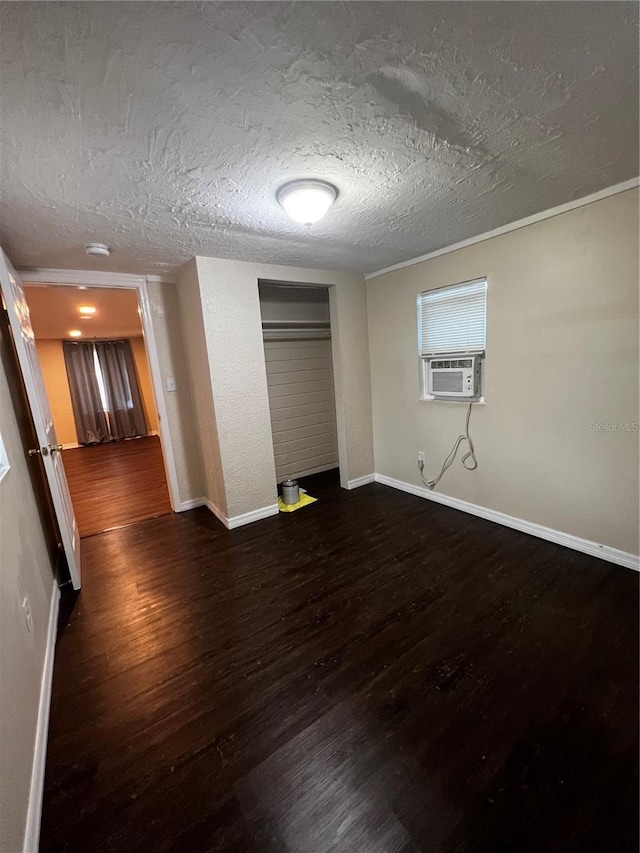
(470, 454)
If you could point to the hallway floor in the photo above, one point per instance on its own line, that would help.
(373, 673)
(118, 483)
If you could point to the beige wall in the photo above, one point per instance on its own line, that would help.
(25, 570)
(171, 349)
(54, 373)
(144, 378)
(220, 308)
(562, 356)
(197, 358)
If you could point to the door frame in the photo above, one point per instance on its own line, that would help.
(91, 279)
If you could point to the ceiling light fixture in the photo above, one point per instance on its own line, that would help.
(97, 249)
(75, 333)
(87, 310)
(307, 201)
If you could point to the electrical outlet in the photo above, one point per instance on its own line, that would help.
(170, 383)
(26, 612)
(421, 456)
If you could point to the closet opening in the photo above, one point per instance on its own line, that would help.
(296, 330)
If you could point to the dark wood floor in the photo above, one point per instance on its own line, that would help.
(117, 483)
(373, 673)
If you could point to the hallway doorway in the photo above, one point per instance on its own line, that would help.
(97, 378)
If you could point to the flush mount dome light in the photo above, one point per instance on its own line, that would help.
(307, 201)
(97, 249)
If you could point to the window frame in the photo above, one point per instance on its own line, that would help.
(423, 360)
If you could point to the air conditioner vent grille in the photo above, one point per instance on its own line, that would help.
(447, 382)
(456, 363)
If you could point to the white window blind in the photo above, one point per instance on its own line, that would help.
(453, 319)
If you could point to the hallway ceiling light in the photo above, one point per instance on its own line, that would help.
(97, 249)
(87, 310)
(307, 201)
(75, 333)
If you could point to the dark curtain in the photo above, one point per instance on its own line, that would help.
(124, 402)
(91, 422)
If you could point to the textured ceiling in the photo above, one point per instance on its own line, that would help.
(54, 311)
(165, 129)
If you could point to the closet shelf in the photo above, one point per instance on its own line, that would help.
(295, 329)
(315, 324)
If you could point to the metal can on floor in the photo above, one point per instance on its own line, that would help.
(290, 492)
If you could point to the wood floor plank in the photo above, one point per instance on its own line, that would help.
(118, 483)
(374, 672)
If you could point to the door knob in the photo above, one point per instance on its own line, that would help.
(55, 448)
(39, 451)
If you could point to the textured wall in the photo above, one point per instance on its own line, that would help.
(562, 355)
(233, 329)
(204, 414)
(25, 570)
(171, 344)
(232, 326)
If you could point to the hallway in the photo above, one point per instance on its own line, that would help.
(116, 484)
(373, 673)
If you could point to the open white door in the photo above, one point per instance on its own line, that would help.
(20, 322)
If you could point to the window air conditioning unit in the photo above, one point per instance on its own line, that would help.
(454, 378)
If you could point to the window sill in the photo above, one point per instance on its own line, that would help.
(429, 399)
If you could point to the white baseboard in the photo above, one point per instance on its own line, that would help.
(595, 549)
(361, 481)
(73, 444)
(183, 506)
(217, 512)
(255, 515)
(34, 811)
(249, 517)
(245, 518)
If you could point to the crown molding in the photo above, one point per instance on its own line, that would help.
(513, 226)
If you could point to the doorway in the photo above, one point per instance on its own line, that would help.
(97, 378)
(296, 329)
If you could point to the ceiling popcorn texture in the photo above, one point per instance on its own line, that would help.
(165, 129)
